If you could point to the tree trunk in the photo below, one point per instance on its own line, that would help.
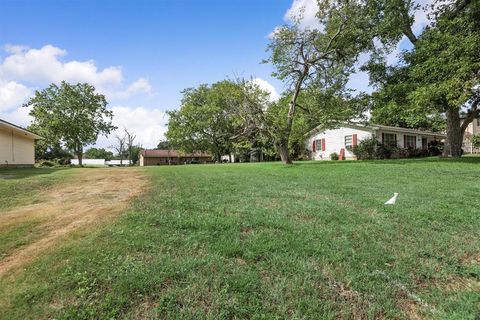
(282, 148)
(453, 143)
(80, 157)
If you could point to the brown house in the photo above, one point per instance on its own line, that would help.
(166, 157)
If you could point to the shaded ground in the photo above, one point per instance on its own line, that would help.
(88, 197)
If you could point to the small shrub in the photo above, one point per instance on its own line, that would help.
(369, 149)
(62, 161)
(435, 148)
(334, 156)
(46, 163)
(372, 149)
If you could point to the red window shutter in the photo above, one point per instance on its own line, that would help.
(313, 146)
(354, 140)
(323, 144)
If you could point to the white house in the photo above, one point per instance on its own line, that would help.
(17, 145)
(322, 143)
(473, 129)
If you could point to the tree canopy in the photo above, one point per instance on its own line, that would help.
(72, 115)
(98, 153)
(438, 78)
(212, 118)
(317, 60)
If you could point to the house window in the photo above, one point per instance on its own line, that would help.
(389, 139)
(348, 142)
(424, 143)
(318, 145)
(410, 141)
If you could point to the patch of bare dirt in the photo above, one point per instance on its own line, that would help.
(91, 197)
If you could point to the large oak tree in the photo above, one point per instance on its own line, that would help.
(439, 76)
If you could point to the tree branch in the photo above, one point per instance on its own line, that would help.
(471, 115)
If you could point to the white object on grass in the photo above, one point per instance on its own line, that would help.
(392, 199)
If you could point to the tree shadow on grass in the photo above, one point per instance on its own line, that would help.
(22, 173)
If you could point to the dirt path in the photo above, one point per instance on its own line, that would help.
(91, 196)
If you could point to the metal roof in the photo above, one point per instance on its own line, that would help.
(172, 154)
(376, 127)
(19, 130)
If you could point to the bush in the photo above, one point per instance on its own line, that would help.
(435, 148)
(46, 163)
(334, 156)
(62, 161)
(372, 149)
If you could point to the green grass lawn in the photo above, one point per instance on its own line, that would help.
(21, 186)
(267, 241)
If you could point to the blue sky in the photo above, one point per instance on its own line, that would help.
(173, 44)
(140, 54)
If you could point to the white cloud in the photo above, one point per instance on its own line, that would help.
(304, 12)
(47, 64)
(266, 86)
(18, 116)
(149, 125)
(12, 94)
(140, 86)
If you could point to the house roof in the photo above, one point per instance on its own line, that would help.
(376, 127)
(19, 130)
(172, 154)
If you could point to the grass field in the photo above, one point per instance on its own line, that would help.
(267, 241)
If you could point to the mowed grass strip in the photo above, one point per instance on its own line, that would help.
(22, 186)
(264, 241)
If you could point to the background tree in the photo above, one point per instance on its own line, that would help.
(73, 115)
(120, 147)
(202, 123)
(163, 145)
(130, 144)
(135, 153)
(50, 147)
(98, 153)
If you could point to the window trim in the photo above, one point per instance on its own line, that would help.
(318, 145)
(389, 144)
(408, 136)
(351, 141)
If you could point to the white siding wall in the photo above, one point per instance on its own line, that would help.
(16, 149)
(472, 129)
(400, 138)
(91, 162)
(335, 141)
